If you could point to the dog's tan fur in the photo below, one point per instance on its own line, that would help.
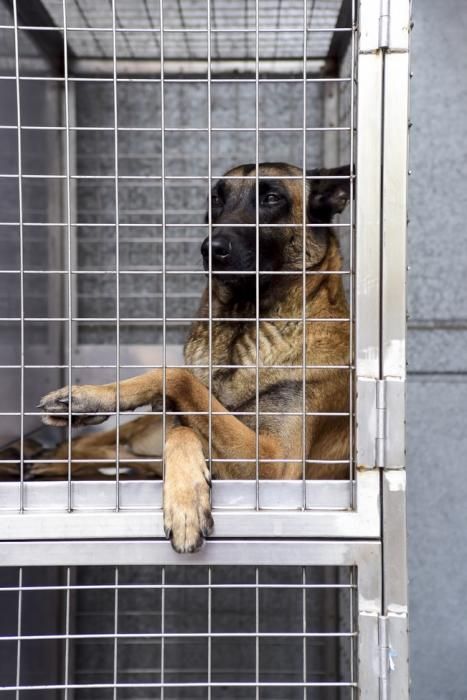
(233, 438)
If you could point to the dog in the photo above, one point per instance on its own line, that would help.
(225, 339)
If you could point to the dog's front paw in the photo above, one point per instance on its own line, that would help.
(187, 507)
(85, 399)
(188, 519)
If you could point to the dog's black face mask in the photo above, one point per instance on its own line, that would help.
(234, 244)
(234, 238)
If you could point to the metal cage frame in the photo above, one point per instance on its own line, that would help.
(370, 534)
(364, 556)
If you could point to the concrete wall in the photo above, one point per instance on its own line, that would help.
(437, 400)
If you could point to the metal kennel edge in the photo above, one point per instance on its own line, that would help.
(370, 534)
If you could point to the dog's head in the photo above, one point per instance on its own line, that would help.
(280, 217)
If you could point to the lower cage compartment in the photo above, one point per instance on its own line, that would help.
(176, 632)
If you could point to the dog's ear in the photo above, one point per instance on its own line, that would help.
(328, 196)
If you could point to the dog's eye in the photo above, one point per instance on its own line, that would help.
(271, 198)
(216, 201)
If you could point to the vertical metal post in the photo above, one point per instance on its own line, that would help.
(351, 243)
(164, 233)
(369, 611)
(368, 224)
(393, 337)
(115, 640)
(162, 693)
(384, 60)
(394, 221)
(69, 290)
(304, 248)
(257, 634)
(395, 598)
(209, 633)
(257, 248)
(21, 248)
(209, 235)
(353, 665)
(72, 209)
(117, 257)
(18, 631)
(66, 674)
(304, 628)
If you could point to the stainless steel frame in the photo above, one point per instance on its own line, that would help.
(395, 35)
(359, 522)
(319, 510)
(364, 556)
(140, 513)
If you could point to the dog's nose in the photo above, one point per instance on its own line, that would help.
(221, 248)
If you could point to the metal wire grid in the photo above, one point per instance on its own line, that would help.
(137, 28)
(178, 632)
(19, 638)
(71, 273)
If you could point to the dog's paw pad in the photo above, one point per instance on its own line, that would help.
(187, 517)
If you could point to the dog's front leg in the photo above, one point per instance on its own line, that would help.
(187, 508)
(88, 399)
(231, 439)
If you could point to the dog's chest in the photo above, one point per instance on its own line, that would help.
(231, 350)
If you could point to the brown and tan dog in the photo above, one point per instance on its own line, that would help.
(231, 354)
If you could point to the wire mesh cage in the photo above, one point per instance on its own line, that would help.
(122, 123)
(135, 126)
(220, 628)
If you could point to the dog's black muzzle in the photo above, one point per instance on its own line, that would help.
(230, 251)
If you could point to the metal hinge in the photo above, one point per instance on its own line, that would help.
(380, 423)
(384, 23)
(381, 408)
(390, 423)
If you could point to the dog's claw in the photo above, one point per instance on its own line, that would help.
(208, 525)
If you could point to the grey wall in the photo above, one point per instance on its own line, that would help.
(437, 400)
